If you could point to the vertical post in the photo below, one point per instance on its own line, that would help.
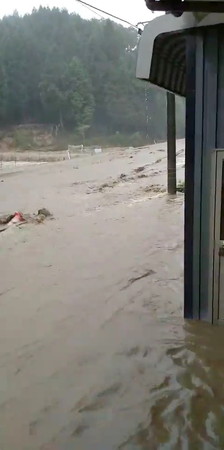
(171, 144)
(192, 207)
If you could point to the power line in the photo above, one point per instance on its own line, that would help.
(107, 13)
(92, 10)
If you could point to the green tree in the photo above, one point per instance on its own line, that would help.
(66, 95)
(56, 67)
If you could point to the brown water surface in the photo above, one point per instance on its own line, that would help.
(186, 406)
(94, 352)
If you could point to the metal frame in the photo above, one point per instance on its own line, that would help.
(215, 220)
(191, 310)
(204, 50)
(203, 112)
(209, 87)
(212, 268)
(198, 145)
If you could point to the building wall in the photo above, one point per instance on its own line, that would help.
(204, 133)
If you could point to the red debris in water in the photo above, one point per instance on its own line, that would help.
(17, 218)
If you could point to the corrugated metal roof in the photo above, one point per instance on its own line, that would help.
(168, 67)
(162, 52)
(162, 49)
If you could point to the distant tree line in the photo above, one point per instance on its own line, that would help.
(57, 68)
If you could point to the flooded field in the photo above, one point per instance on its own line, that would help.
(94, 352)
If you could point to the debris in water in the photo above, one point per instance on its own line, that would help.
(4, 220)
(154, 188)
(105, 185)
(44, 212)
(110, 184)
(139, 169)
(142, 175)
(155, 172)
(19, 219)
(140, 277)
(11, 219)
(40, 218)
(181, 187)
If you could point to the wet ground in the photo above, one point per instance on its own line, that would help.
(94, 352)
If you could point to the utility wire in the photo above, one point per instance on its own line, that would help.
(92, 10)
(107, 13)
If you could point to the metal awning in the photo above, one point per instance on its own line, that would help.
(169, 66)
(162, 49)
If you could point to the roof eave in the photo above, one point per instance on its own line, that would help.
(162, 49)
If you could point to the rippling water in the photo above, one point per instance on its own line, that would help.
(185, 409)
(94, 353)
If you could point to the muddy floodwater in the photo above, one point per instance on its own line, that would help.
(94, 351)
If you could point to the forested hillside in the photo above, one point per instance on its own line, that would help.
(57, 68)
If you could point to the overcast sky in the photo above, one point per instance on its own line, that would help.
(131, 10)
